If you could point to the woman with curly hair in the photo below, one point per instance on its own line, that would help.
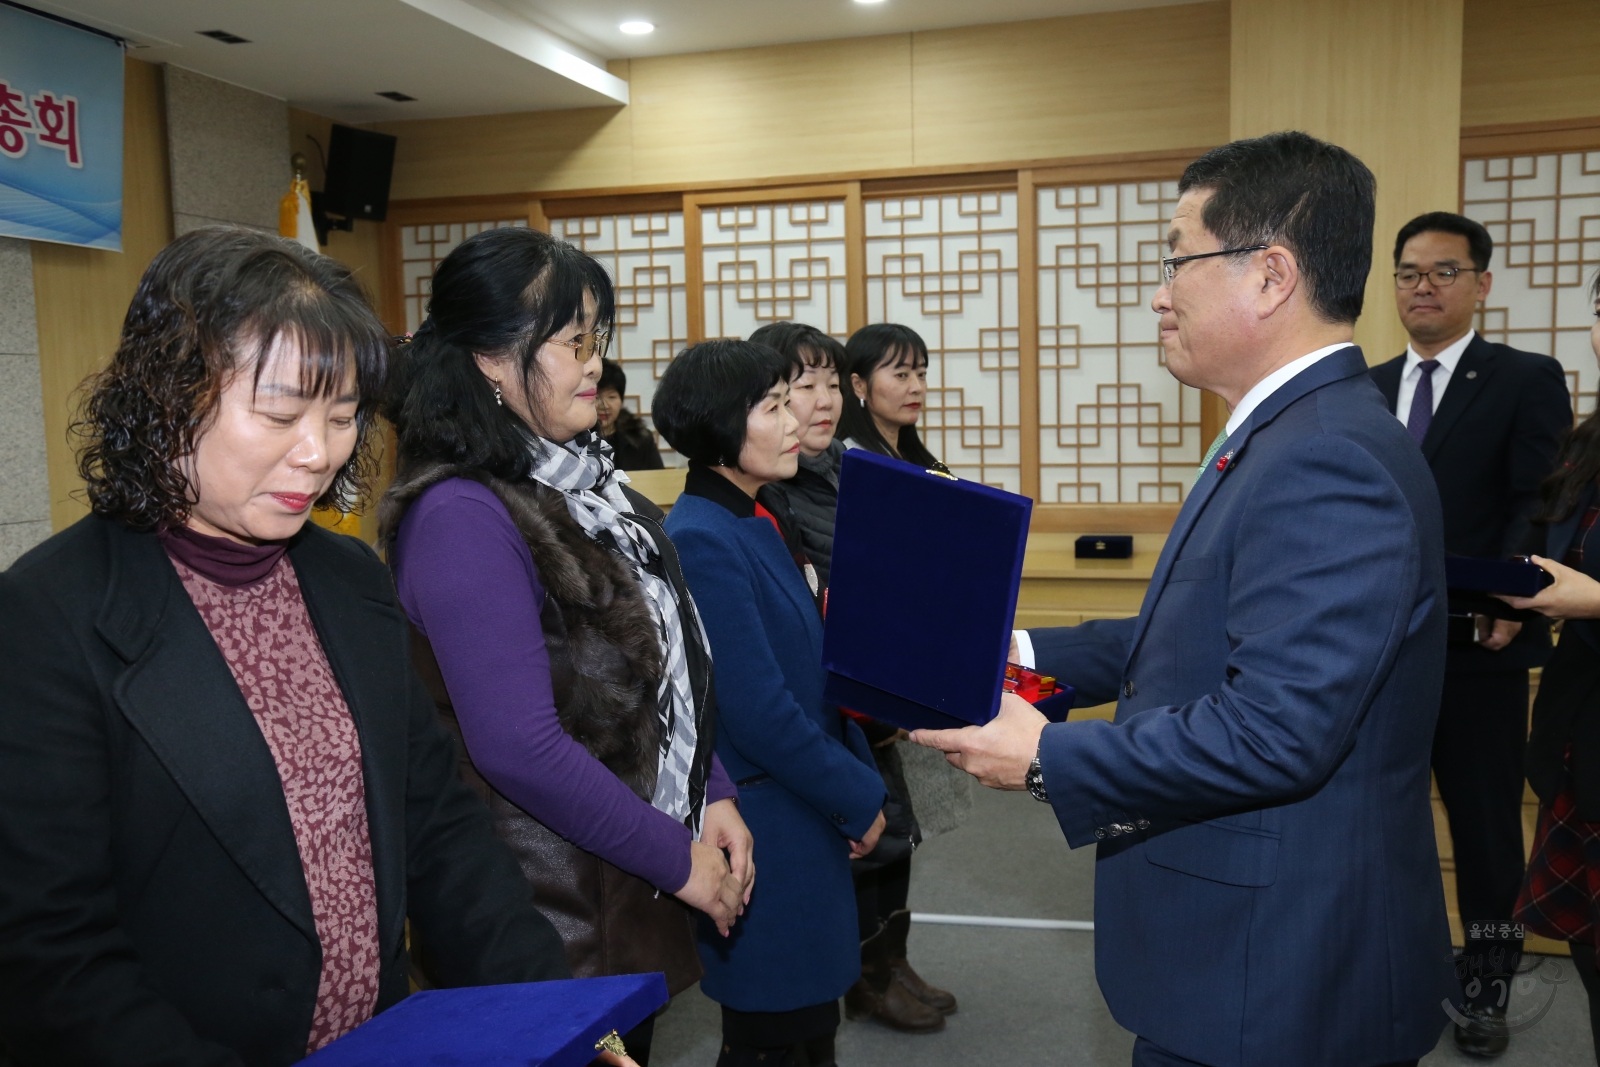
(222, 790)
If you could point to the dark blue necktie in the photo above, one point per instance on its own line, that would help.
(1422, 401)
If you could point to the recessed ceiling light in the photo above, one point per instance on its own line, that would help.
(869, 1)
(637, 27)
(397, 96)
(224, 36)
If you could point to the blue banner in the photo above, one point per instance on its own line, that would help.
(60, 132)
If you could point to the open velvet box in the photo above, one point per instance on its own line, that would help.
(922, 594)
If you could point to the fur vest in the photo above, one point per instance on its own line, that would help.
(605, 669)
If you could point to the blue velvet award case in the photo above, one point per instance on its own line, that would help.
(922, 594)
(536, 1024)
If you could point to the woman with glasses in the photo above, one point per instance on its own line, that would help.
(552, 618)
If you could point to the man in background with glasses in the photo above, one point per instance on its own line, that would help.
(1267, 891)
(1489, 420)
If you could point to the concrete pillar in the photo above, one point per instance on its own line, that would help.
(228, 150)
(24, 477)
(1381, 78)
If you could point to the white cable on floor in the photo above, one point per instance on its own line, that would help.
(995, 920)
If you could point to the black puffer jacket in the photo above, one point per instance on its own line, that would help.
(813, 496)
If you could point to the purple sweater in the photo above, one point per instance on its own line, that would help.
(468, 582)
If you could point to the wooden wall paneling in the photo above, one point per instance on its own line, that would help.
(1028, 329)
(81, 295)
(566, 206)
(459, 210)
(836, 106)
(392, 303)
(1340, 70)
(1120, 81)
(1104, 518)
(1529, 60)
(537, 219)
(1531, 138)
(855, 236)
(694, 269)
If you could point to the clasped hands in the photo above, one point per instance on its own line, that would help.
(720, 884)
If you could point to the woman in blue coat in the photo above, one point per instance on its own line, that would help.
(808, 787)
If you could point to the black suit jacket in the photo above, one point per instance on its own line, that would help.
(152, 904)
(1493, 439)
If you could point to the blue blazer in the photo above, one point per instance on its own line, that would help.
(1267, 886)
(806, 778)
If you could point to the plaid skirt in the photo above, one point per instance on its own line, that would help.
(1560, 896)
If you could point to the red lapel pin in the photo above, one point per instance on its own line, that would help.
(1222, 464)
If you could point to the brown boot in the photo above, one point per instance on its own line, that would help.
(898, 928)
(877, 995)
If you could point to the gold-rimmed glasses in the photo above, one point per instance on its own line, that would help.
(585, 346)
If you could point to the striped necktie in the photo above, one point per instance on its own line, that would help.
(1211, 453)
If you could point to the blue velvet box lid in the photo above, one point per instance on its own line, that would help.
(535, 1024)
(922, 593)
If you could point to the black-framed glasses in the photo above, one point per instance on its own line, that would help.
(1439, 277)
(585, 346)
(1169, 267)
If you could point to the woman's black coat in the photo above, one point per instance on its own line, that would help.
(1567, 709)
(152, 904)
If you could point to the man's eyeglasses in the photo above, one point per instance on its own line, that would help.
(585, 346)
(1169, 267)
(1438, 278)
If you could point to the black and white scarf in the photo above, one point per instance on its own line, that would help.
(583, 472)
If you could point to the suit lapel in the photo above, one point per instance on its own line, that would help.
(1467, 381)
(1345, 363)
(359, 635)
(776, 562)
(179, 694)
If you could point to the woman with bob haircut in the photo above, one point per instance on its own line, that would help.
(552, 617)
(223, 792)
(806, 778)
(886, 365)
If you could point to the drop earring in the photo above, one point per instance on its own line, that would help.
(497, 401)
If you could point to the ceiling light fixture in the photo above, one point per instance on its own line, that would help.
(637, 27)
(869, 1)
(397, 96)
(224, 36)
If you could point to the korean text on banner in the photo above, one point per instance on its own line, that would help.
(60, 132)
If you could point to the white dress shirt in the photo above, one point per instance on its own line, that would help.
(1251, 400)
(1441, 377)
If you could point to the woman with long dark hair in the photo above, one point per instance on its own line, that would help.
(552, 618)
(223, 791)
(1560, 896)
(886, 376)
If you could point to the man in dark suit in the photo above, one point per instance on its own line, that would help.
(1267, 890)
(1489, 419)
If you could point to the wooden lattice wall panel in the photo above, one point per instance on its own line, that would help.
(1115, 426)
(771, 262)
(421, 250)
(1544, 215)
(644, 254)
(946, 266)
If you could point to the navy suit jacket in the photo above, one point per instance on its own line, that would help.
(1267, 885)
(806, 778)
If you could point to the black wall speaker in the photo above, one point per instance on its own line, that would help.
(360, 163)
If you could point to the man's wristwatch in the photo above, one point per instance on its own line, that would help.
(1034, 780)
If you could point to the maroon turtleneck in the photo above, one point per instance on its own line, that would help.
(222, 559)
